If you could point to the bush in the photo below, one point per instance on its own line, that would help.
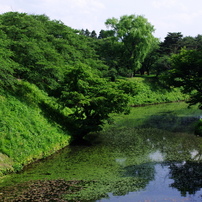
(149, 91)
(127, 87)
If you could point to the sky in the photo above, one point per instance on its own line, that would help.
(183, 16)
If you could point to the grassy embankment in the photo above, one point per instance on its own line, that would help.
(28, 135)
(150, 91)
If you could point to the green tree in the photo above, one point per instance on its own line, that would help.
(186, 71)
(110, 52)
(188, 42)
(38, 61)
(106, 33)
(198, 40)
(65, 65)
(87, 33)
(91, 99)
(93, 34)
(149, 62)
(135, 32)
(171, 43)
(43, 48)
(161, 65)
(7, 65)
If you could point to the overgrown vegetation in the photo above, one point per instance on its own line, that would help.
(25, 133)
(121, 160)
(148, 90)
(57, 82)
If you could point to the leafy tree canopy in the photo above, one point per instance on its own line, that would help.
(91, 98)
(136, 33)
(70, 65)
(43, 48)
(186, 71)
(7, 65)
(171, 42)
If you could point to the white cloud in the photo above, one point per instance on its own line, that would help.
(5, 8)
(72, 11)
(164, 3)
(85, 3)
(87, 6)
(80, 5)
(184, 17)
(177, 16)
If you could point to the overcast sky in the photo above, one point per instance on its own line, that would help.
(183, 16)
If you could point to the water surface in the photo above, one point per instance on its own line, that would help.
(149, 155)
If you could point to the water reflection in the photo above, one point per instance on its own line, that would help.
(187, 177)
(171, 121)
(144, 171)
(196, 155)
(167, 181)
(157, 156)
(121, 161)
(130, 163)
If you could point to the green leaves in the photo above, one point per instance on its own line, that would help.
(42, 49)
(91, 98)
(186, 71)
(135, 32)
(64, 65)
(7, 65)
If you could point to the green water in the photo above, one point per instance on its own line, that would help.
(150, 154)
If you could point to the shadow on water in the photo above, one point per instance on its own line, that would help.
(148, 155)
(170, 121)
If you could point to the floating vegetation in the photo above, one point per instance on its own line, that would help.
(125, 162)
(40, 191)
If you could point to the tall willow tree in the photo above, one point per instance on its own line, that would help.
(136, 34)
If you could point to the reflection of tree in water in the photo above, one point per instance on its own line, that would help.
(144, 171)
(135, 177)
(170, 121)
(187, 177)
(126, 185)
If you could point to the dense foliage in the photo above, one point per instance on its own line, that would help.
(43, 48)
(62, 63)
(71, 81)
(186, 71)
(125, 46)
(91, 99)
(135, 33)
(25, 133)
(79, 69)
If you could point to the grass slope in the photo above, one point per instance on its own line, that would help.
(151, 91)
(26, 135)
